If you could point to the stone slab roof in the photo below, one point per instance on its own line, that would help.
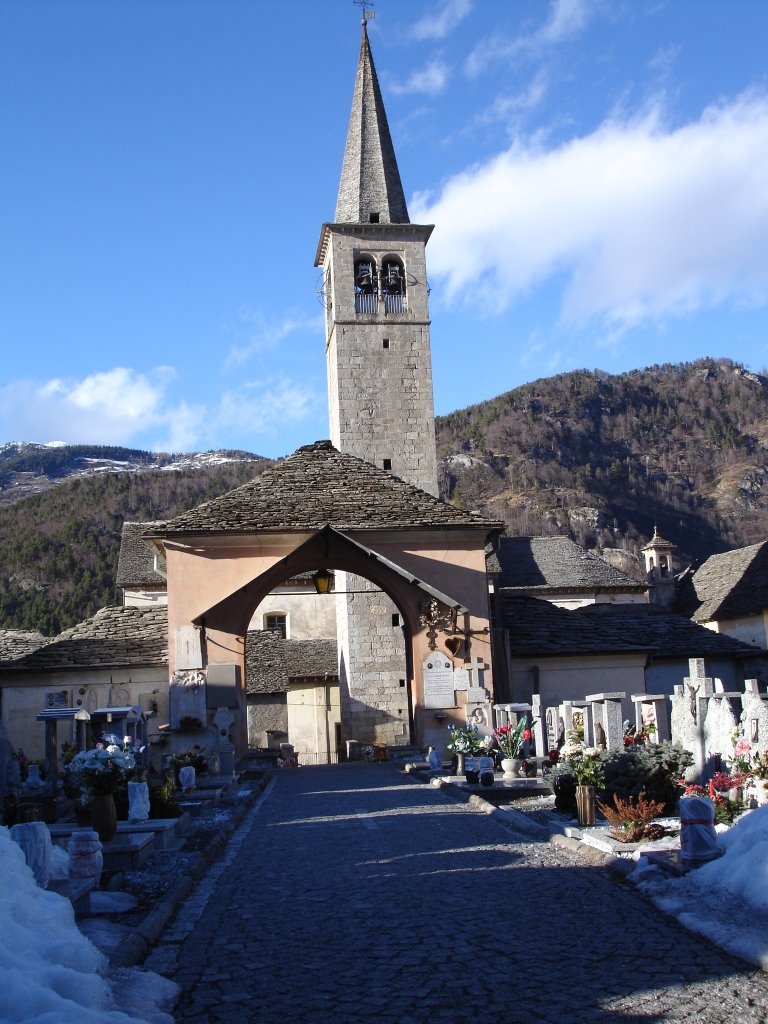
(119, 635)
(539, 628)
(136, 563)
(16, 643)
(319, 485)
(272, 662)
(312, 659)
(727, 586)
(557, 564)
(265, 667)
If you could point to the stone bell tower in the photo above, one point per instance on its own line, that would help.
(375, 297)
(374, 286)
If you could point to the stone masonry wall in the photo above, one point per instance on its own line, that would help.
(381, 408)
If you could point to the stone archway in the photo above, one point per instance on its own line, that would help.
(320, 509)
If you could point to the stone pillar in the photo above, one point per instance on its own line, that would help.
(652, 707)
(607, 717)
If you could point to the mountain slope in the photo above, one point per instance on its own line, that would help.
(59, 547)
(605, 458)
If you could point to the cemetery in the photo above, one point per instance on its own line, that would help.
(659, 784)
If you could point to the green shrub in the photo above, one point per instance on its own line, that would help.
(652, 769)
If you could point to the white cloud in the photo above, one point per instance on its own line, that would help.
(262, 334)
(109, 407)
(567, 19)
(511, 108)
(640, 221)
(124, 407)
(437, 25)
(431, 80)
(261, 406)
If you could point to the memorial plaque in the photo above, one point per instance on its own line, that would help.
(461, 679)
(477, 695)
(438, 682)
(188, 651)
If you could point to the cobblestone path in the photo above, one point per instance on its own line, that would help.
(352, 894)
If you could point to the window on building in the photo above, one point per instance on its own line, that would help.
(277, 622)
(387, 463)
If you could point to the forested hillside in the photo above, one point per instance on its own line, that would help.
(59, 548)
(604, 458)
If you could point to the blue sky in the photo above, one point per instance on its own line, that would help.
(597, 173)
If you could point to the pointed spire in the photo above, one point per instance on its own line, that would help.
(370, 190)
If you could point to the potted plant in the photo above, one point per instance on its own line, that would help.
(510, 742)
(585, 764)
(98, 774)
(464, 741)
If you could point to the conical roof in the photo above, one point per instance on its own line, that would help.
(370, 190)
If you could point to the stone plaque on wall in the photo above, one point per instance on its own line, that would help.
(188, 650)
(438, 682)
(461, 679)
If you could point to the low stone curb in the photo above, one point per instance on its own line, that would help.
(145, 935)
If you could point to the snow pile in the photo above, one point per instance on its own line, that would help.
(49, 971)
(726, 899)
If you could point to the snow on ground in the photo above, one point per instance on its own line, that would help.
(50, 973)
(726, 899)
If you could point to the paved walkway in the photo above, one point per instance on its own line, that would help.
(354, 894)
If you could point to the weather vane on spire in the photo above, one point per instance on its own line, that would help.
(367, 8)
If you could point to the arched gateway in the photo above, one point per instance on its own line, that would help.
(322, 509)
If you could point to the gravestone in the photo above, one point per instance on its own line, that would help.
(186, 697)
(689, 712)
(719, 724)
(461, 679)
(437, 672)
(224, 750)
(754, 716)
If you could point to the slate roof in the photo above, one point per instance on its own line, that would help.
(136, 563)
(370, 179)
(265, 667)
(557, 563)
(120, 635)
(540, 628)
(319, 485)
(16, 643)
(727, 586)
(271, 661)
(311, 659)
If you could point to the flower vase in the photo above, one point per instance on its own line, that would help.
(585, 804)
(511, 767)
(761, 791)
(459, 764)
(104, 816)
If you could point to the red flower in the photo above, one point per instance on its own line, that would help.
(526, 735)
